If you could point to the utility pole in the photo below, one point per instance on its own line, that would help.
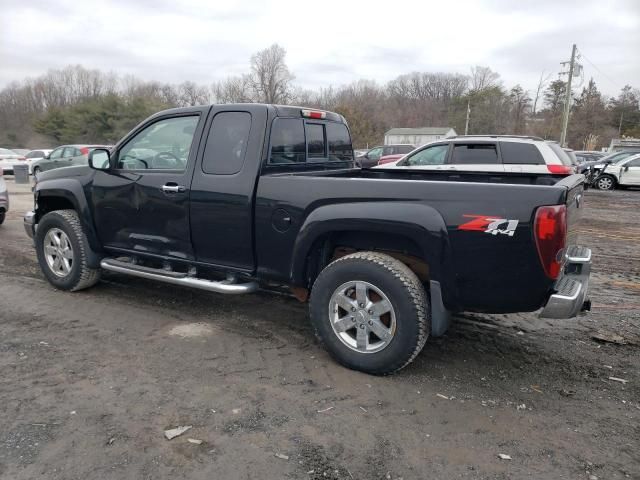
(620, 125)
(567, 100)
(466, 125)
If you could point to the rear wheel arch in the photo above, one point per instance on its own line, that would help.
(331, 246)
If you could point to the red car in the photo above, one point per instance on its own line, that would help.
(390, 158)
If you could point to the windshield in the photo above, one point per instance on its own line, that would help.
(619, 157)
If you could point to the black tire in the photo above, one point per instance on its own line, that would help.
(606, 182)
(80, 276)
(404, 291)
(2, 217)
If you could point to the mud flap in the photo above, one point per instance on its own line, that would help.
(440, 316)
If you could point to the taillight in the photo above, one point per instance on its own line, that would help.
(559, 169)
(550, 230)
(22, 159)
(84, 151)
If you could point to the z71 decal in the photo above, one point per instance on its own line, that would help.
(492, 225)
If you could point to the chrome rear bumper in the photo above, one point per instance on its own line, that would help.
(571, 289)
(29, 222)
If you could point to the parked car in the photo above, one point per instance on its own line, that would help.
(586, 159)
(20, 151)
(623, 173)
(64, 156)
(35, 155)
(390, 158)
(587, 155)
(4, 198)
(7, 159)
(371, 158)
(613, 159)
(494, 153)
(384, 257)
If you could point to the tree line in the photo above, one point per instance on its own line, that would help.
(79, 105)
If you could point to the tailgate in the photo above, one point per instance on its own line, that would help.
(575, 203)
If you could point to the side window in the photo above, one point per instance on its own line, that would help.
(163, 145)
(520, 153)
(35, 154)
(57, 153)
(474, 154)
(287, 141)
(560, 153)
(405, 149)
(69, 152)
(227, 143)
(375, 154)
(435, 155)
(634, 163)
(315, 140)
(339, 142)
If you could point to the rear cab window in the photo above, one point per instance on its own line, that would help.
(296, 141)
(519, 153)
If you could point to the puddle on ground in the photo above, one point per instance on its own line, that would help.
(190, 330)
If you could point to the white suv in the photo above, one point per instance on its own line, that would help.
(488, 153)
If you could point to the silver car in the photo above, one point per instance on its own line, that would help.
(7, 159)
(36, 155)
(64, 156)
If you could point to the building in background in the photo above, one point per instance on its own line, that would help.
(619, 144)
(417, 136)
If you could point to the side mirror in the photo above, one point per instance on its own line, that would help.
(608, 162)
(100, 159)
(46, 157)
(626, 168)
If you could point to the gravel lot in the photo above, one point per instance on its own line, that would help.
(91, 380)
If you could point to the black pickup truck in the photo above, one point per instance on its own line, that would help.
(232, 198)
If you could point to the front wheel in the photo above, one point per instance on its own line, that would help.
(606, 182)
(371, 312)
(61, 247)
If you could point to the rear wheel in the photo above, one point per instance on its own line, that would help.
(61, 247)
(2, 217)
(606, 182)
(371, 312)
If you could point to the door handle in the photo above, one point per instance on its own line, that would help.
(173, 188)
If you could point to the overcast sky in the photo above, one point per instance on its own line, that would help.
(328, 42)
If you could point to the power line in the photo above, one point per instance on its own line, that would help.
(615, 84)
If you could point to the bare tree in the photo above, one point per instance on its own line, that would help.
(232, 90)
(191, 94)
(270, 76)
(483, 78)
(541, 86)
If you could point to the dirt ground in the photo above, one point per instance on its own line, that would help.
(91, 380)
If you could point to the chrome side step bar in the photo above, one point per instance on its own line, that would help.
(176, 278)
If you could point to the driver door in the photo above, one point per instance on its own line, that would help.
(141, 203)
(630, 174)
